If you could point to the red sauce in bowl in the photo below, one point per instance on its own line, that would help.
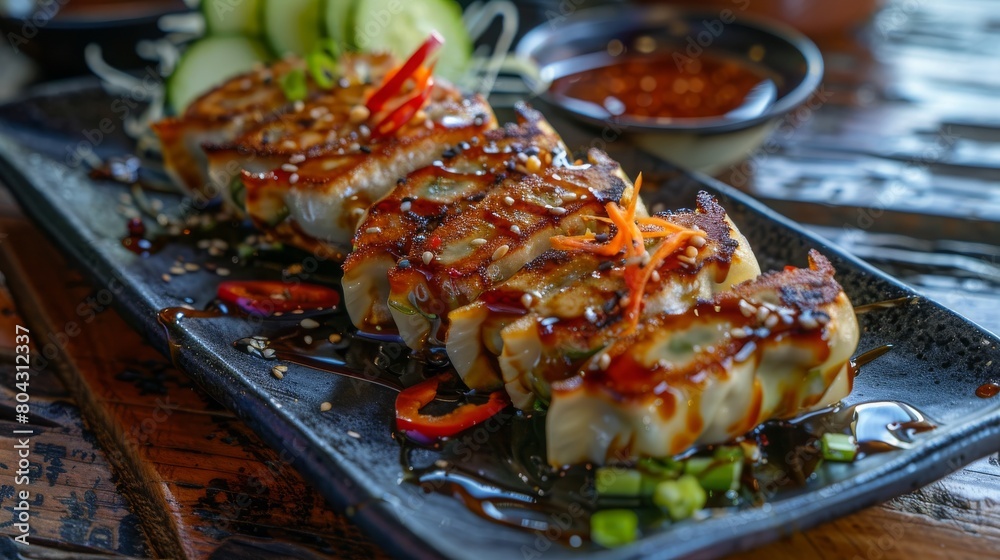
(661, 85)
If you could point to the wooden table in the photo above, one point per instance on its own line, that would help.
(132, 460)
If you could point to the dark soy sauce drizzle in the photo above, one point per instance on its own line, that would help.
(499, 471)
(885, 304)
(867, 357)
(987, 390)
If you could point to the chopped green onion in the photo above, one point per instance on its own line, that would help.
(722, 477)
(839, 447)
(696, 466)
(244, 251)
(733, 453)
(662, 469)
(330, 47)
(612, 481)
(294, 85)
(323, 68)
(680, 498)
(614, 527)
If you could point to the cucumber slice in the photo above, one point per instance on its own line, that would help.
(207, 63)
(400, 26)
(231, 17)
(291, 26)
(337, 22)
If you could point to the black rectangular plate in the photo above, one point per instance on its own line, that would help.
(938, 361)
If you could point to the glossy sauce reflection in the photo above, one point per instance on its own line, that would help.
(656, 85)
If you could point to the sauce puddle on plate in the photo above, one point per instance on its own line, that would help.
(498, 469)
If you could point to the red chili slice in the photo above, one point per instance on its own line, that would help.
(411, 400)
(394, 82)
(268, 297)
(402, 114)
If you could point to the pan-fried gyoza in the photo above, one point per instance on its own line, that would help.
(496, 237)
(567, 304)
(543, 277)
(773, 347)
(430, 197)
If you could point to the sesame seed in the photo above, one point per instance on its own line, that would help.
(177, 270)
(289, 167)
(298, 106)
(191, 267)
(771, 322)
(557, 210)
(808, 322)
(698, 241)
(353, 434)
(334, 338)
(515, 229)
(500, 252)
(746, 309)
(509, 201)
(373, 230)
(222, 271)
(203, 243)
(590, 315)
(583, 197)
(686, 259)
(567, 197)
(293, 178)
(604, 361)
(522, 157)
(533, 164)
(165, 277)
(739, 332)
(309, 323)
(297, 158)
(526, 300)
(298, 311)
(691, 252)
(325, 406)
(655, 276)
(308, 340)
(478, 242)
(359, 114)
(405, 206)
(427, 257)
(763, 313)
(556, 177)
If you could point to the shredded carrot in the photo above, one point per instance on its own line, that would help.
(629, 241)
(636, 278)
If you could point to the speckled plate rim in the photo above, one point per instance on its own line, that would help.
(348, 487)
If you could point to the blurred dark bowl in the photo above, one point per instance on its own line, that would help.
(55, 36)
